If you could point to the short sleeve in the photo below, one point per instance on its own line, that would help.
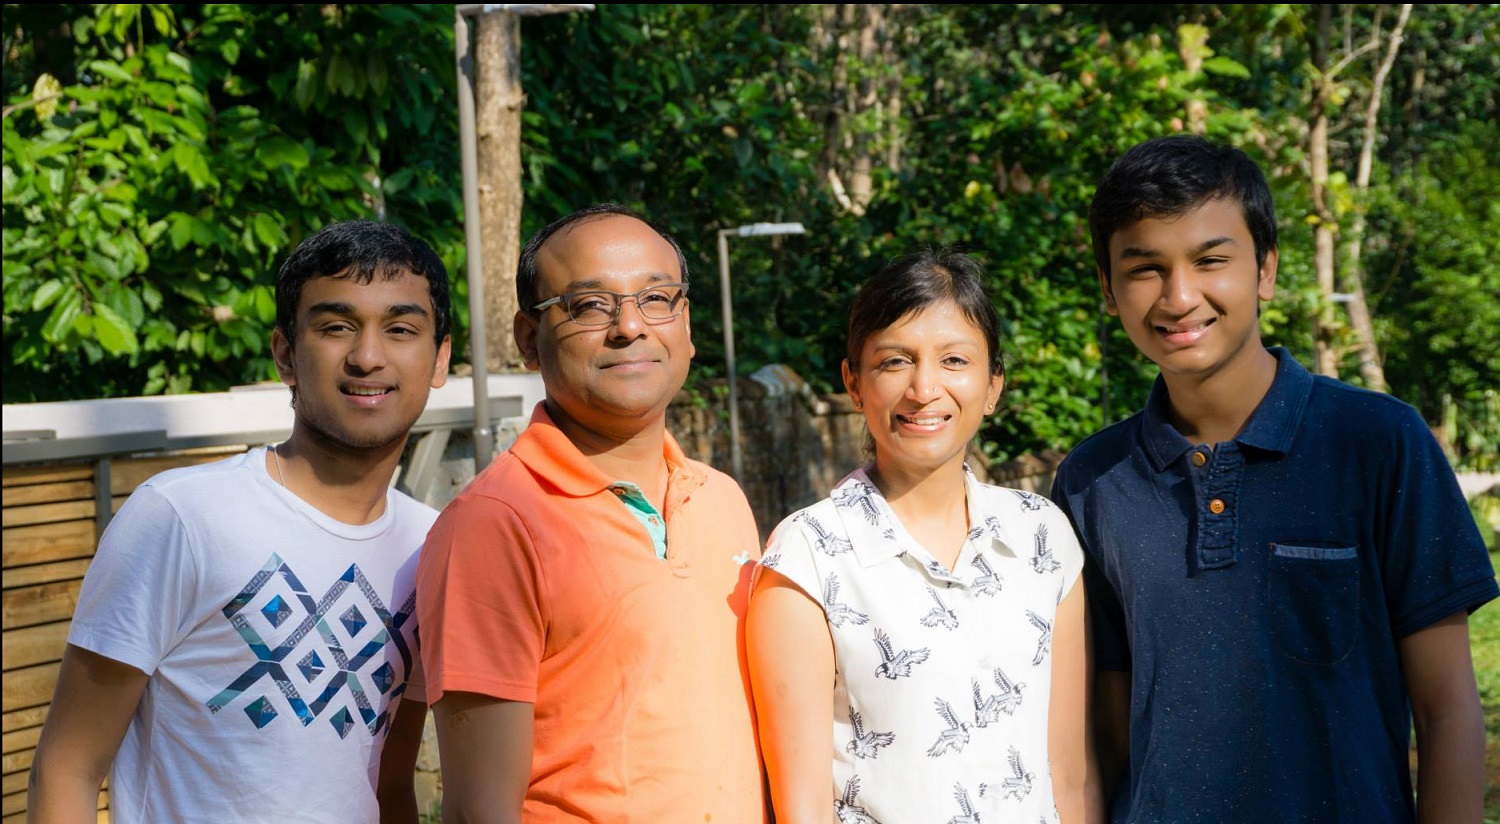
(139, 586)
(480, 603)
(790, 553)
(1434, 559)
(1106, 616)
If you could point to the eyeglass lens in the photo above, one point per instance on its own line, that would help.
(601, 308)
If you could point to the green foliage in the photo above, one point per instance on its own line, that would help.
(159, 160)
(146, 210)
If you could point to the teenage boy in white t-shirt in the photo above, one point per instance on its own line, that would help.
(245, 639)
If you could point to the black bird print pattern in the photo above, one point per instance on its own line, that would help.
(1044, 643)
(897, 665)
(825, 541)
(940, 615)
(1044, 561)
(987, 582)
(1018, 786)
(839, 614)
(857, 497)
(987, 709)
(953, 739)
(866, 744)
(849, 812)
(1030, 501)
(967, 814)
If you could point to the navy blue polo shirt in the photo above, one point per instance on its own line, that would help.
(1256, 592)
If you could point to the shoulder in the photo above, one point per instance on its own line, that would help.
(1360, 410)
(1099, 451)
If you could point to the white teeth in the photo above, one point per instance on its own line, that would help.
(366, 392)
(925, 421)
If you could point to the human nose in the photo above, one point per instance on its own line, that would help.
(924, 386)
(368, 352)
(1179, 291)
(628, 323)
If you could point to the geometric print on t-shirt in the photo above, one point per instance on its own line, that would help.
(324, 655)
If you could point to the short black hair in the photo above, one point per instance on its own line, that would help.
(916, 280)
(1169, 176)
(361, 250)
(526, 274)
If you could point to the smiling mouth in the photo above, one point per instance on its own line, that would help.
(1191, 328)
(923, 419)
(365, 392)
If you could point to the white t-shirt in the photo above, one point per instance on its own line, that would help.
(279, 643)
(942, 679)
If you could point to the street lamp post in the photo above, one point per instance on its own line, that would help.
(727, 308)
(484, 436)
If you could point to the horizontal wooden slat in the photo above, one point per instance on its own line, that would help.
(41, 644)
(49, 542)
(28, 687)
(15, 782)
(20, 740)
(42, 604)
(50, 473)
(21, 719)
(44, 573)
(126, 475)
(16, 761)
(46, 513)
(49, 493)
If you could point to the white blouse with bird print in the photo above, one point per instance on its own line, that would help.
(942, 678)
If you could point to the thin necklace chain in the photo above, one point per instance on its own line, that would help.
(280, 476)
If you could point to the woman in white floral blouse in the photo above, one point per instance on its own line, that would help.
(916, 640)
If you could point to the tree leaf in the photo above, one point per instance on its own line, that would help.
(112, 332)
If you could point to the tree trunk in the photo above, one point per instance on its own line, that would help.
(1354, 283)
(498, 105)
(1325, 359)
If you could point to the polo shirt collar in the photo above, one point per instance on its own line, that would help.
(546, 451)
(1271, 427)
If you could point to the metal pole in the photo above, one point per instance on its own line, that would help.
(734, 395)
(484, 437)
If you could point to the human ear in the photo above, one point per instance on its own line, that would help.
(281, 354)
(524, 329)
(1108, 292)
(851, 383)
(1267, 285)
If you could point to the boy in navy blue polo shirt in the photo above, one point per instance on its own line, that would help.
(1280, 566)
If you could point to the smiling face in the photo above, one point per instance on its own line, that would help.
(1187, 289)
(925, 386)
(618, 377)
(365, 359)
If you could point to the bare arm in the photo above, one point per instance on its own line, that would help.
(1449, 722)
(91, 709)
(398, 764)
(1111, 714)
(485, 745)
(1070, 739)
(791, 678)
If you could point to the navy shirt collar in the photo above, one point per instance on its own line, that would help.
(1271, 427)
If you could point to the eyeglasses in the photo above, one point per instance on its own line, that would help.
(601, 308)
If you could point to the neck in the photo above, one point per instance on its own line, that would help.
(627, 450)
(932, 504)
(344, 483)
(1214, 409)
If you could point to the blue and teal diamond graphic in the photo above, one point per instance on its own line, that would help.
(261, 712)
(276, 611)
(354, 621)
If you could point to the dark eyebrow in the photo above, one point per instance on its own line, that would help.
(597, 285)
(1139, 252)
(338, 307)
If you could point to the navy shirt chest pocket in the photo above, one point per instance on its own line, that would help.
(1313, 600)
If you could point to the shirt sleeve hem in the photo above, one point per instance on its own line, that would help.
(1467, 598)
(480, 685)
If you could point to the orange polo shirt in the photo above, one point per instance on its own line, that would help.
(538, 584)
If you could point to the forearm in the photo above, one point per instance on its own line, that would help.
(1450, 769)
(57, 794)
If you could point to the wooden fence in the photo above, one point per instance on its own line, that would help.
(51, 525)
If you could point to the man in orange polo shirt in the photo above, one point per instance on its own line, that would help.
(581, 602)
